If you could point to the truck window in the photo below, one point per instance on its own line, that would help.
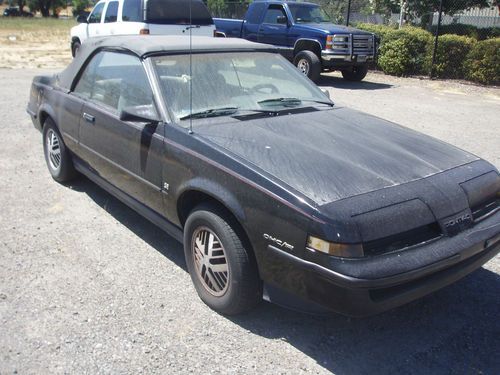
(111, 12)
(95, 16)
(176, 12)
(272, 14)
(132, 11)
(255, 12)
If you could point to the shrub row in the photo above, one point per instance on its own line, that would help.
(468, 30)
(408, 51)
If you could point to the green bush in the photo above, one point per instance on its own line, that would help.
(402, 51)
(395, 57)
(450, 56)
(468, 30)
(483, 62)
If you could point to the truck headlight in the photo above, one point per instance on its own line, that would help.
(336, 249)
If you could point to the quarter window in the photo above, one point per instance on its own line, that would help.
(96, 15)
(111, 12)
(115, 80)
(132, 11)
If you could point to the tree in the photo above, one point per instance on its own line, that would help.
(21, 4)
(217, 7)
(79, 6)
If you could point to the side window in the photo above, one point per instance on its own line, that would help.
(96, 15)
(132, 11)
(116, 80)
(272, 14)
(111, 12)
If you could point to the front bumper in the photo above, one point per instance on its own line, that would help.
(315, 288)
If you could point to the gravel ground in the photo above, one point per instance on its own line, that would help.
(89, 286)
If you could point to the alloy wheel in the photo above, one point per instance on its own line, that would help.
(53, 149)
(210, 261)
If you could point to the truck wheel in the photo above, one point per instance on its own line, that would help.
(220, 264)
(57, 156)
(356, 74)
(75, 47)
(309, 64)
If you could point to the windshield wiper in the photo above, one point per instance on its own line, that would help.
(292, 102)
(212, 112)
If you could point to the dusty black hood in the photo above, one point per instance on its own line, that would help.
(333, 154)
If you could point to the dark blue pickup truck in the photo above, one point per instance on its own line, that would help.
(305, 35)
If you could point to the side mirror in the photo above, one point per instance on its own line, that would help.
(326, 92)
(81, 19)
(140, 113)
(282, 20)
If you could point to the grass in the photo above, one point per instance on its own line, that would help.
(36, 24)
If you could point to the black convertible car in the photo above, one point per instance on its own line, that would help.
(275, 192)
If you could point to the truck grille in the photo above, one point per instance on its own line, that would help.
(362, 44)
(353, 44)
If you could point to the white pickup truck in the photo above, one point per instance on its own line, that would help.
(129, 17)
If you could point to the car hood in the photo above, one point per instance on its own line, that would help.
(330, 28)
(328, 155)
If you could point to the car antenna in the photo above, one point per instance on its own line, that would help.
(190, 68)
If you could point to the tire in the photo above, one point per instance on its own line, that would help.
(308, 63)
(356, 74)
(75, 47)
(57, 156)
(235, 287)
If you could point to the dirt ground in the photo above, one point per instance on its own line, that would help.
(21, 48)
(88, 286)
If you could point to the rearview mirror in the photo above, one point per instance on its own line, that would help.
(281, 20)
(139, 113)
(81, 19)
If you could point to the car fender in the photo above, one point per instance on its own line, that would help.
(217, 192)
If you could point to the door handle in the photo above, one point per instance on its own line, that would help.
(88, 118)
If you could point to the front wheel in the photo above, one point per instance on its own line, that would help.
(219, 261)
(356, 74)
(57, 156)
(308, 63)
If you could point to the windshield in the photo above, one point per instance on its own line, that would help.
(226, 83)
(302, 13)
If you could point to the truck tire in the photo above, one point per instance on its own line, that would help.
(308, 63)
(75, 47)
(356, 74)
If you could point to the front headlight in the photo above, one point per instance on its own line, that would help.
(336, 249)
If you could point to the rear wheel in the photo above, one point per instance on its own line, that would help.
(308, 63)
(356, 74)
(220, 263)
(57, 156)
(75, 48)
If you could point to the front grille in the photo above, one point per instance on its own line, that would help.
(363, 45)
(403, 240)
(485, 209)
(353, 44)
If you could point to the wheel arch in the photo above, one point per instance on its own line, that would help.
(307, 45)
(204, 191)
(44, 113)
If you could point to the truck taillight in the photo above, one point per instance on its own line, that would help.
(144, 31)
(329, 42)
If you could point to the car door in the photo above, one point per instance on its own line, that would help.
(274, 26)
(124, 153)
(109, 27)
(94, 20)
